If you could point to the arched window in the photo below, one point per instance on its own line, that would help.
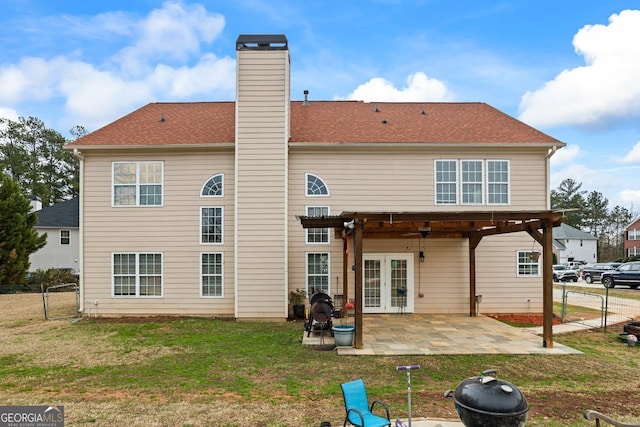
(213, 187)
(316, 186)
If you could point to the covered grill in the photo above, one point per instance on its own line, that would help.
(487, 401)
(320, 313)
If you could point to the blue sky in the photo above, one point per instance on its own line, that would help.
(570, 68)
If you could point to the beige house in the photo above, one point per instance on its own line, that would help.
(195, 208)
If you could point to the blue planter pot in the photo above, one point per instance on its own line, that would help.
(344, 335)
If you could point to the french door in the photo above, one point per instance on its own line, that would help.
(387, 283)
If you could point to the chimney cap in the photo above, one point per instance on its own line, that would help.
(262, 42)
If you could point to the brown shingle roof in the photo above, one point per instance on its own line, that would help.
(321, 121)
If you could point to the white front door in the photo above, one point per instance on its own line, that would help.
(387, 283)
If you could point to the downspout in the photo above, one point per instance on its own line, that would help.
(80, 157)
(547, 177)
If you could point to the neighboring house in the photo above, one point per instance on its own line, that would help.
(632, 238)
(61, 224)
(193, 208)
(572, 244)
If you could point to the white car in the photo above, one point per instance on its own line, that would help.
(562, 273)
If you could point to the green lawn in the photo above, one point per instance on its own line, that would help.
(187, 372)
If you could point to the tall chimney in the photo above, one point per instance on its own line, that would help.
(261, 183)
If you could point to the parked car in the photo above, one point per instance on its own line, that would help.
(592, 272)
(627, 274)
(562, 273)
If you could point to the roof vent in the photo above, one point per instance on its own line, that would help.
(422, 112)
(306, 97)
(376, 110)
(162, 119)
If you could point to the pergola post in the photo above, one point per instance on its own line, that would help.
(358, 231)
(473, 244)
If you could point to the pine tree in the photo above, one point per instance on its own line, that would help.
(18, 238)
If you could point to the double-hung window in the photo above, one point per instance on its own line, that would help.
(527, 266)
(211, 274)
(317, 272)
(446, 182)
(137, 183)
(633, 235)
(211, 225)
(65, 237)
(471, 180)
(137, 274)
(317, 235)
(498, 182)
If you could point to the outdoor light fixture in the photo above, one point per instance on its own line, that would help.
(421, 255)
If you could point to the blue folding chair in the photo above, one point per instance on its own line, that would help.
(359, 413)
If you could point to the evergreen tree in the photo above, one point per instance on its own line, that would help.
(569, 198)
(35, 157)
(18, 238)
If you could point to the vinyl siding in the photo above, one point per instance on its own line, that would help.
(403, 180)
(54, 254)
(172, 230)
(262, 117)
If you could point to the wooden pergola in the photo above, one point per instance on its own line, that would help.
(472, 225)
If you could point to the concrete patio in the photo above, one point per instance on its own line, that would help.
(421, 334)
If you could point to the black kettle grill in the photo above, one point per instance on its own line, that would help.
(320, 313)
(486, 401)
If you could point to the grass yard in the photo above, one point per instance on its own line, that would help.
(203, 372)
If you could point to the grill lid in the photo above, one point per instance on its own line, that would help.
(491, 396)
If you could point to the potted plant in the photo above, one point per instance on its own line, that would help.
(344, 333)
(297, 298)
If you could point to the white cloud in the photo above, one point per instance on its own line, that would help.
(630, 198)
(174, 32)
(96, 94)
(8, 113)
(606, 88)
(419, 88)
(633, 156)
(565, 155)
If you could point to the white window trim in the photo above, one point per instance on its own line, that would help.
(532, 263)
(435, 182)
(459, 183)
(68, 237)
(306, 210)
(137, 274)
(221, 226)
(137, 184)
(306, 180)
(221, 175)
(508, 181)
(221, 296)
(306, 268)
(633, 234)
(483, 182)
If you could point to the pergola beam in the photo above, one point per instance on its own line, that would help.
(473, 225)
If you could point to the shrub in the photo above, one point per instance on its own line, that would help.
(43, 279)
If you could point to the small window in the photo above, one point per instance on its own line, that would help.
(65, 237)
(211, 225)
(527, 267)
(316, 186)
(137, 274)
(137, 183)
(213, 187)
(446, 182)
(317, 235)
(211, 276)
(634, 235)
(317, 272)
